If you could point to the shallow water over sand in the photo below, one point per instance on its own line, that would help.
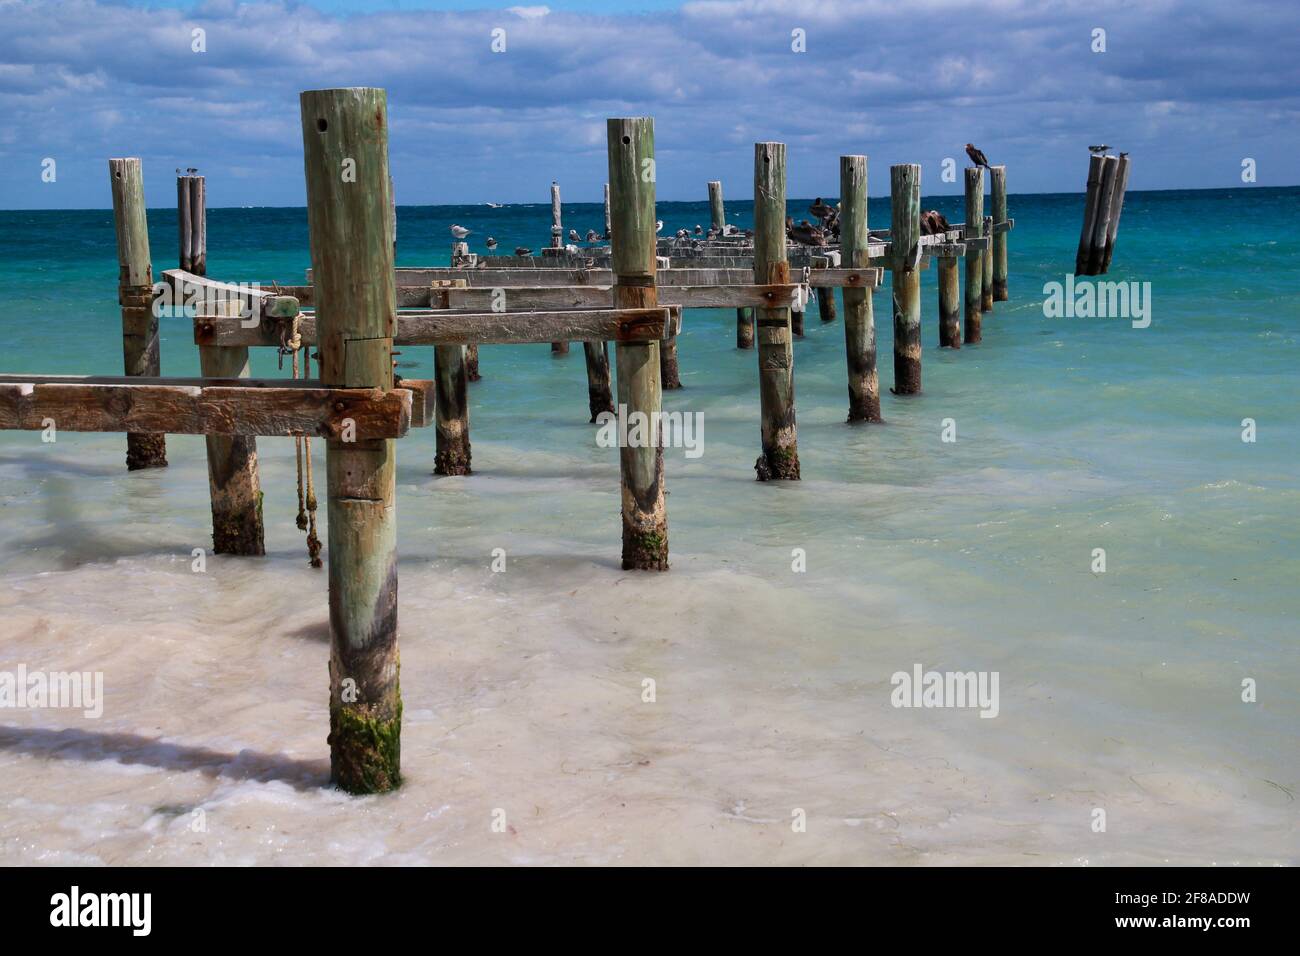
(523, 690)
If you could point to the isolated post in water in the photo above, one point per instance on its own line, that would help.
(1116, 207)
(557, 242)
(1095, 164)
(717, 211)
(345, 144)
(998, 197)
(780, 458)
(859, 318)
(633, 252)
(600, 398)
(905, 247)
(1101, 224)
(140, 353)
(451, 411)
(234, 487)
(986, 270)
(974, 256)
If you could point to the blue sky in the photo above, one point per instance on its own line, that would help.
(1189, 89)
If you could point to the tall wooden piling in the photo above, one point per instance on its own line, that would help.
(744, 328)
(1095, 165)
(796, 320)
(557, 242)
(471, 362)
(184, 224)
(859, 317)
(356, 307)
(1101, 222)
(780, 458)
(905, 239)
(949, 304)
(198, 225)
(998, 197)
(1116, 207)
(974, 257)
(607, 222)
(140, 354)
(451, 411)
(234, 486)
(986, 270)
(631, 150)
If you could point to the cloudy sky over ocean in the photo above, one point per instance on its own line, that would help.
(1191, 89)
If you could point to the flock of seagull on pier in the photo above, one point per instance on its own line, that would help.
(823, 232)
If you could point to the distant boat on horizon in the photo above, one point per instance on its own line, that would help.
(494, 205)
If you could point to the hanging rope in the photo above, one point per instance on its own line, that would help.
(291, 343)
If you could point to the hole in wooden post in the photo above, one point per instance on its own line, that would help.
(626, 140)
(322, 125)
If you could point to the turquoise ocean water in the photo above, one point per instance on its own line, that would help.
(1121, 690)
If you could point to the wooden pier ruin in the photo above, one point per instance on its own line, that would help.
(356, 306)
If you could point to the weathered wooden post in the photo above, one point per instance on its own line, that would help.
(557, 242)
(796, 318)
(345, 144)
(1101, 225)
(140, 352)
(198, 225)
(718, 221)
(451, 411)
(471, 362)
(949, 304)
(234, 486)
(717, 211)
(1081, 258)
(905, 248)
(859, 317)
(745, 328)
(184, 223)
(826, 304)
(986, 269)
(974, 257)
(607, 226)
(599, 396)
(998, 194)
(780, 458)
(670, 372)
(1116, 207)
(633, 251)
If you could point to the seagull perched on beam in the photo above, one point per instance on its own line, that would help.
(573, 236)
(523, 251)
(491, 243)
(659, 225)
(976, 155)
(460, 232)
(1098, 149)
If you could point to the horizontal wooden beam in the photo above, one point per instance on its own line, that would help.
(478, 328)
(187, 287)
(198, 406)
(595, 296)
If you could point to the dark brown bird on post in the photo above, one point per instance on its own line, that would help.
(933, 223)
(820, 209)
(976, 155)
